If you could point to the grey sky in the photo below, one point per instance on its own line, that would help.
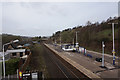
(44, 18)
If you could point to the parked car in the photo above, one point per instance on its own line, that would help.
(89, 55)
(99, 59)
(68, 47)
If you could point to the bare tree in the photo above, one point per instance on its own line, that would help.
(88, 23)
(96, 23)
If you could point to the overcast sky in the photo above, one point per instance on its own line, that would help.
(45, 18)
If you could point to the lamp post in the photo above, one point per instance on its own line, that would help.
(113, 51)
(76, 40)
(113, 45)
(76, 36)
(4, 54)
(73, 41)
(103, 54)
(3, 62)
(60, 39)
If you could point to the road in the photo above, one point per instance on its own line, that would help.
(57, 68)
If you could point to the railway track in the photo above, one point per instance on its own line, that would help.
(66, 70)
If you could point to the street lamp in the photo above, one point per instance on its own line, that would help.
(4, 54)
(15, 41)
(77, 45)
(113, 51)
(103, 46)
(60, 39)
(76, 40)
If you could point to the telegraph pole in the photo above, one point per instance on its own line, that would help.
(113, 51)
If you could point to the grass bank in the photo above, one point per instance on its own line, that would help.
(37, 61)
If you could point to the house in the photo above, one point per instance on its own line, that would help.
(17, 51)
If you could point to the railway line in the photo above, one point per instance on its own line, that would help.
(58, 68)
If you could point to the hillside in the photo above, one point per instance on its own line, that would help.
(91, 35)
(6, 38)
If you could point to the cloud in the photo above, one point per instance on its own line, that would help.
(0, 18)
(33, 19)
(59, 0)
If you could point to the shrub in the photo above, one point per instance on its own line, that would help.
(11, 66)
